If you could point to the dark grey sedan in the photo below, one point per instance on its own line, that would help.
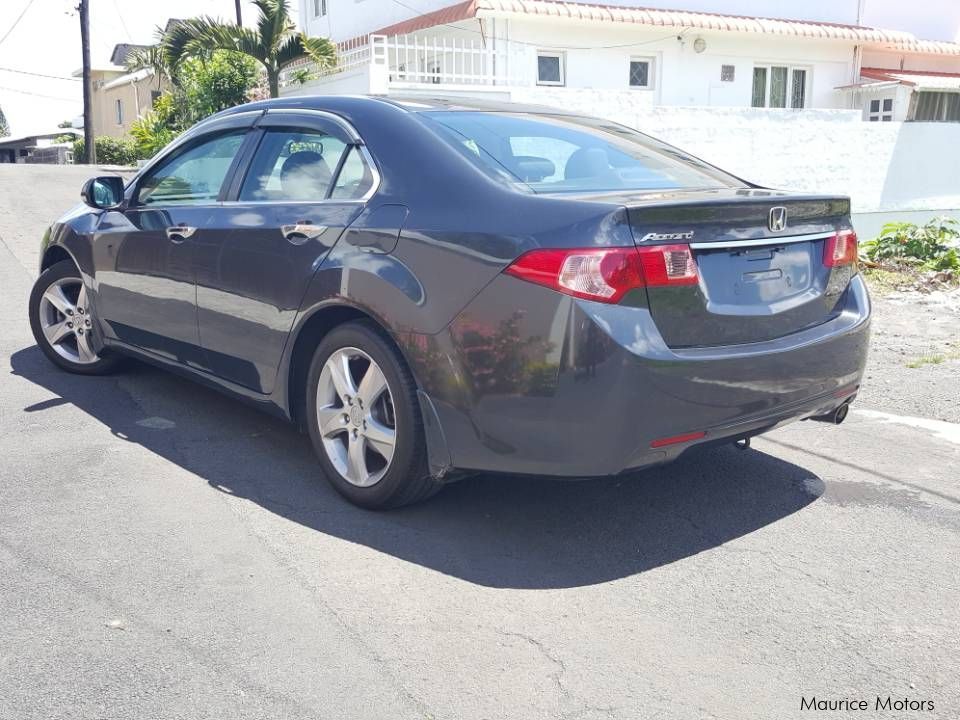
(433, 287)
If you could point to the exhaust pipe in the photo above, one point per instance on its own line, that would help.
(837, 416)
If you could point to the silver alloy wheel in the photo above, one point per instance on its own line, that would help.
(66, 320)
(356, 418)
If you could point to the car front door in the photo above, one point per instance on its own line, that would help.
(144, 254)
(305, 181)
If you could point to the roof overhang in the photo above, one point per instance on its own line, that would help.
(137, 76)
(919, 80)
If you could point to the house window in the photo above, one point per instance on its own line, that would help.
(727, 73)
(118, 108)
(880, 110)
(779, 86)
(154, 96)
(936, 107)
(319, 8)
(641, 72)
(550, 70)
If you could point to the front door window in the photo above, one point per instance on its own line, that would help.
(193, 177)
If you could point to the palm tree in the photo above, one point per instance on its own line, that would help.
(151, 57)
(274, 44)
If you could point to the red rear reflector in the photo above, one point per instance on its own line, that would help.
(678, 439)
(840, 249)
(606, 274)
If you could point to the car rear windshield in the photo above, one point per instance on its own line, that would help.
(563, 153)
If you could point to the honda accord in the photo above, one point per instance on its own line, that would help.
(436, 287)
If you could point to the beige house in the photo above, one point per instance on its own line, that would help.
(120, 97)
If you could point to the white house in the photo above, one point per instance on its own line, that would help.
(726, 53)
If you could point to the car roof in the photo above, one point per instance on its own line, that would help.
(409, 103)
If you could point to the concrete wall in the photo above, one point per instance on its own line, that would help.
(890, 170)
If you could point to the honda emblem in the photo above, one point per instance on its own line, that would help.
(778, 219)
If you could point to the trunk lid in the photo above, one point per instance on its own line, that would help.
(759, 257)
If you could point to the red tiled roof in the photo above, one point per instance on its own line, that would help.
(911, 78)
(894, 39)
(685, 18)
(461, 11)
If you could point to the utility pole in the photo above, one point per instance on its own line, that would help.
(239, 16)
(89, 145)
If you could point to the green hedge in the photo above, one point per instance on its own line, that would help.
(110, 151)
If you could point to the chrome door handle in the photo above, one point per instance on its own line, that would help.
(179, 233)
(302, 231)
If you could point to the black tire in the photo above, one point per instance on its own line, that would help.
(65, 269)
(407, 479)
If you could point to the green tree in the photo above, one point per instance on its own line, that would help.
(274, 44)
(212, 84)
(4, 127)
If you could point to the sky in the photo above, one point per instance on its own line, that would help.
(46, 40)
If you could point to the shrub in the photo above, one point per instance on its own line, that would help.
(156, 129)
(110, 151)
(932, 246)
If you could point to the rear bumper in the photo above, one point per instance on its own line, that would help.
(526, 380)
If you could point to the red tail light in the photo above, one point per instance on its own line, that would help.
(840, 249)
(606, 274)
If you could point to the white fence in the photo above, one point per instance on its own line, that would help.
(420, 60)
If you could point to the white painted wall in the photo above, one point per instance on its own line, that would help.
(684, 76)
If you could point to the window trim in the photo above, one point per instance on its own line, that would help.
(562, 58)
(319, 8)
(288, 118)
(769, 65)
(651, 72)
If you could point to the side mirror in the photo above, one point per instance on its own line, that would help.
(104, 192)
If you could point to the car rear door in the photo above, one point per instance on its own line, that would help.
(144, 254)
(305, 178)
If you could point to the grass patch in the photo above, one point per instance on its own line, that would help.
(883, 282)
(936, 359)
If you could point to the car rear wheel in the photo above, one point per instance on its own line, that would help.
(364, 419)
(63, 322)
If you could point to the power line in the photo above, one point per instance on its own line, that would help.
(34, 74)
(17, 21)
(27, 92)
(551, 45)
(123, 22)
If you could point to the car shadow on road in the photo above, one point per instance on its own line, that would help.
(497, 531)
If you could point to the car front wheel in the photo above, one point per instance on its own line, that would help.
(364, 419)
(63, 322)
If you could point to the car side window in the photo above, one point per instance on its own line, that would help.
(193, 177)
(355, 178)
(292, 165)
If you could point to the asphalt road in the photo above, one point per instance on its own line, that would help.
(168, 553)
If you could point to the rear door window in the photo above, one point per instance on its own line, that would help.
(293, 165)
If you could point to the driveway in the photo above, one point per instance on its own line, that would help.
(166, 552)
